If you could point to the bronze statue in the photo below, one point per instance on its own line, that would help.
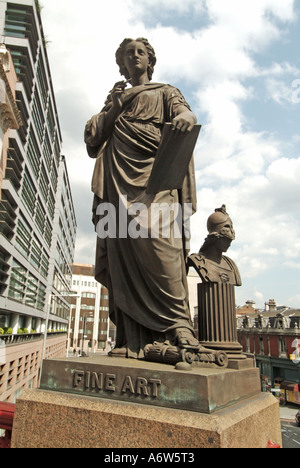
(145, 276)
(216, 297)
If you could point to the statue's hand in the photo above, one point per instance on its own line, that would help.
(184, 122)
(117, 95)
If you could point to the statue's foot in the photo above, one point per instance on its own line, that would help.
(118, 352)
(184, 337)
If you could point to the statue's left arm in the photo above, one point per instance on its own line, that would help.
(178, 111)
(184, 120)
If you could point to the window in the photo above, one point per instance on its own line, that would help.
(17, 282)
(36, 253)
(47, 151)
(44, 265)
(23, 67)
(33, 154)
(87, 307)
(38, 116)
(51, 205)
(261, 345)
(14, 163)
(22, 106)
(40, 216)
(26, 288)
(57, 151)
(20, 22)
(51, 122)
(42, 81)
(48, 233)
(31, 290)
(23, 237)
(3, 321)
(44, 183)
(282, 346)
(3, 269)
(16, 21)
(88, 295)
(7, 216)
(54, 178)
(28, 193)
(41, 296)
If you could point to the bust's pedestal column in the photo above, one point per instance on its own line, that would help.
(217, 318)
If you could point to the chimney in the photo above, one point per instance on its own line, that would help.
(271, 305)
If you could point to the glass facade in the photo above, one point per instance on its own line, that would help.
(37, 218)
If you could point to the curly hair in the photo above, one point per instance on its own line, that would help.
(121, 51)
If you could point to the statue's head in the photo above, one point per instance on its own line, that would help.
(220, 231)
(220, 224)
(121, 52)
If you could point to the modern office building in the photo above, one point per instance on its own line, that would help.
(90, 327)
(9, 114)
(37, 219)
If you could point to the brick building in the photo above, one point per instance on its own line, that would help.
(273, 336)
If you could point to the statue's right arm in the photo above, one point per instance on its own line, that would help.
(100, 126)
(93, 134)
(116, 102)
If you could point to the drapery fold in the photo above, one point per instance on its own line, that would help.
(145, 276)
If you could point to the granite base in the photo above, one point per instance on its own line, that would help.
(47, 419)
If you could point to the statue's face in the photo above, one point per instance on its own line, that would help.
(136, 58)
(226, 229)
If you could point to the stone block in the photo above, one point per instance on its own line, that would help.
(46, 419)
(204, 390)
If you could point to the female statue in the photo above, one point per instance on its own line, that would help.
(146, 277)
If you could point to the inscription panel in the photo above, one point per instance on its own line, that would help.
(87, 381)
(145, 384)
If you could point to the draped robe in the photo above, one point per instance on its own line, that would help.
(145, 276)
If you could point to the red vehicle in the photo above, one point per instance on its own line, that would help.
(7, 411)
(297, 418)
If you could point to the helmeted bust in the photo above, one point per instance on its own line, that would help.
(210, 263)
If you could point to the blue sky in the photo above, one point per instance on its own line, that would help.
(236, 63)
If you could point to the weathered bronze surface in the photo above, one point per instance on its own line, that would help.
(145, 273)
(216, 296)
(202, 390)
(173, 158)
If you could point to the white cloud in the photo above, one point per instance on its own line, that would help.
(170, 6)
(243, 168)
(281, 92)
(252, 20)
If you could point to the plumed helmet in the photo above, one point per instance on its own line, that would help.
(220, 223)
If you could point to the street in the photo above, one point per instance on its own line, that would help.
(290, 434)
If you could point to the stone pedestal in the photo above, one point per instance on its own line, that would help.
(119, 403)
(57, 420)
(217, 318)
(204, 390)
